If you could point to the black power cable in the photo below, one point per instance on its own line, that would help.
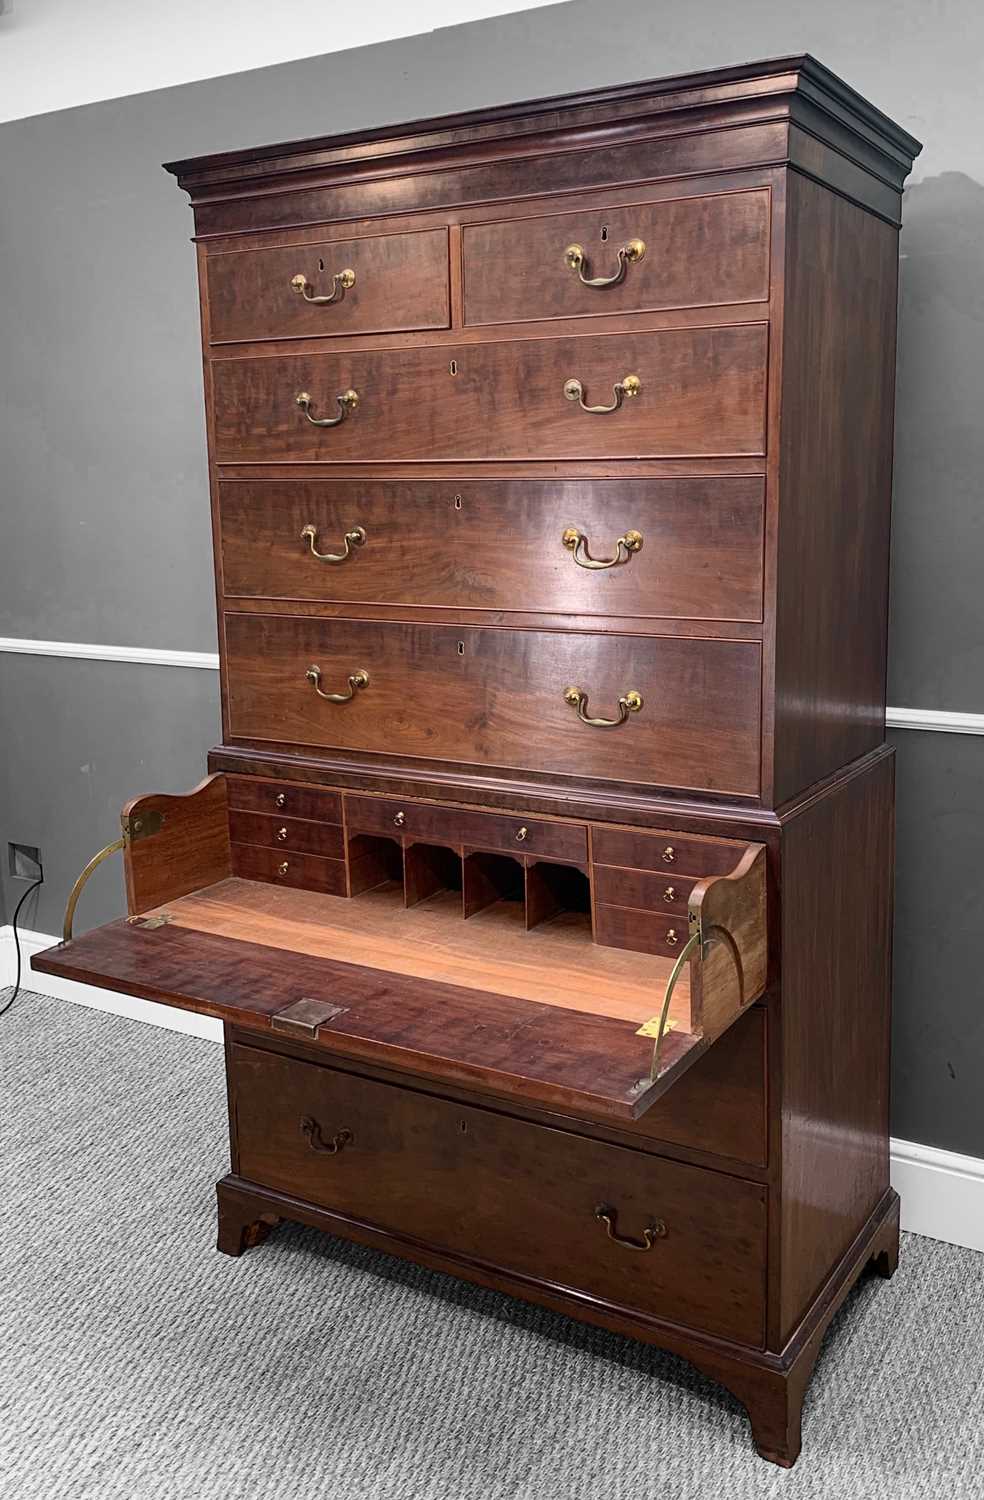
(17, 910)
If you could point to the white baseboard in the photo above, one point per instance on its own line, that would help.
(942, 1192)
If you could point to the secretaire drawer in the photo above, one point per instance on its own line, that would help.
(683, 252)
(670, 548)
(576, 1213)
(459, 828)
(379, 283)
(288, 798)
(674, 712)
(693, 392)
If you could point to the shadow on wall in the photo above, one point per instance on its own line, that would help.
(937, 626)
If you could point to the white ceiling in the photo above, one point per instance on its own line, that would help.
(55, 54)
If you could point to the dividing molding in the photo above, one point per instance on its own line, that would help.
(942, 1192)
(942, 720)
(147, 656)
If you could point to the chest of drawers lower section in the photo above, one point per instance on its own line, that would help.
(639, 1231)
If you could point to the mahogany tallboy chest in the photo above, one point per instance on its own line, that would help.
(543, 877)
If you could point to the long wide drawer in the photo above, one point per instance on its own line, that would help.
(491, 697)
(523, 1197)
(682, 252)
(701, 393)
(381, 282)
(671, 548)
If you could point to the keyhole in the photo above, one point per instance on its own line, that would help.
(453, 367)
(461, 648)
(463, 1126)
(604, 231)
(321, 265)
(457, 502)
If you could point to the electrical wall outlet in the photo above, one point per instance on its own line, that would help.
(24, 862)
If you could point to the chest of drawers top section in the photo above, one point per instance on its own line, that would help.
(501, 414)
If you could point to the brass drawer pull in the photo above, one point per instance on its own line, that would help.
(282, 835)
(522, 834)
(576, 261)
(283, 867)
(280, 800)
(653, 1232)
(357, 680)
(629, 386)
(399, 818)
(347, 402)
(629, 703)
(575, 541)
(312, 1131)
(354, 538)
(340, 284)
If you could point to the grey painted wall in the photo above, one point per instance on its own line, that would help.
(103, 479)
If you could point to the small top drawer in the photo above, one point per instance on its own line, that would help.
(456, 827)
(684, 252)
(381, 283)
(254, 794)
(667, 853)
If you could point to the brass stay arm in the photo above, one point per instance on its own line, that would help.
(135, 826)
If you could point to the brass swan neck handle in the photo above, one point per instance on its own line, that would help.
(625, 389)
(629, 703)
(356, 682)
(340, 284)
(606, 1215)
(577, 543)
(576, 260)
(354, 538)
(347, 401)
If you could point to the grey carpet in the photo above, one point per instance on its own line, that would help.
(137, 1362)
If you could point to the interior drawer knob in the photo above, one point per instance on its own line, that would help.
(629, 703)
(576, 542)
(341, 282)
(354, 538)
(624, 389)
(357, 681)
(668, 855)
(672, 936)
(317, 1141)
(399, 819)
(283, 867)
(626, 255)
(653, 1232)
(347, 402)
(282, 835)
(670, 893)
(522, 834)
(280, 800)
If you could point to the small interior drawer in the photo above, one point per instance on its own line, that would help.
(292, 835)
(681, 252)
(308, 872)
(664, 853)
(283, 798)
(459, 827)
(640, 931)
(377, 283)
(642, 889)
(577, 1210)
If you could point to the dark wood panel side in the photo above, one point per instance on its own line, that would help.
(835, 485)
(190, 850)
(832, 1079)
